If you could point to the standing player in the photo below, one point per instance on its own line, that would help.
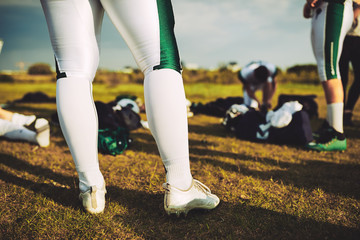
(331, 19)
(258, 75)
(147, 27)
(351, 53)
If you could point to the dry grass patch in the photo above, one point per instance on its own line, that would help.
(267, 191)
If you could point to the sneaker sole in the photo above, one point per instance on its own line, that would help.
(185, 209)
(326, 150)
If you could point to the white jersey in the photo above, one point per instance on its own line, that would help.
(247, 75)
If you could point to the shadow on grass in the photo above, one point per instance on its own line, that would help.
(216, 130)
(352, 131)
(331, 177)
(146, 217)
(143, 142)
(343, 179)
(63, 195)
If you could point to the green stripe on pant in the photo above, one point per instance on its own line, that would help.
(334, 22)
(169, 54)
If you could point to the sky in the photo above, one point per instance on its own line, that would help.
(209, 33)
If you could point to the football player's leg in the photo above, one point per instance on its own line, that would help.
(144, 27)
(329, 27)
(328, 32)
(147, 27)
(354, 91)
(74, 27)
(344, 63)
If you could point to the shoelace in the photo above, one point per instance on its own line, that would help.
(166, 187)
(202, 187)
(199, 185)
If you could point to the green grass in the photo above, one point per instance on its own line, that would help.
(267, 191)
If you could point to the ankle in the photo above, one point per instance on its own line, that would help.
(90, 178)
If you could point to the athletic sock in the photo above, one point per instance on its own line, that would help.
(335, 116)
(178, 174)
(23, 120)
(167, 117)
(90, 178)
(79, 124)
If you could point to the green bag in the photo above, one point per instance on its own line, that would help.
(113, 141)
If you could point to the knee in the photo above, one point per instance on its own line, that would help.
(83, 65)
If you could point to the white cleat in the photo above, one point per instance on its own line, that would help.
(198, 196)
(93, 199)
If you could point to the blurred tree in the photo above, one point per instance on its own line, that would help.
(4, 78)
(40, 69)
(298, 69)
(306, 73)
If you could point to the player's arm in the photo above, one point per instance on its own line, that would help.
(268, 93)
(273, 82)
(250, 92)
(274, 86)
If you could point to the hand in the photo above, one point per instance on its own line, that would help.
(264, 108)
(313, 3)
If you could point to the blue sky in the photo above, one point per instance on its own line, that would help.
(209, 33)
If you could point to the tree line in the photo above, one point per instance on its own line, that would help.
(306, 73)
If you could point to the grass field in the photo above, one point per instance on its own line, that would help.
(267, 191)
